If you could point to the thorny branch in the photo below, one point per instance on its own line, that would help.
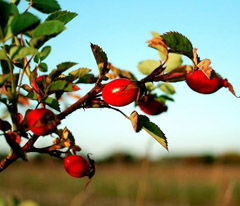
(29, 146)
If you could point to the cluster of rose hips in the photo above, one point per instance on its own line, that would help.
(118, 92)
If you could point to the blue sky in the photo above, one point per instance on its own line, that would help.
(194, 122)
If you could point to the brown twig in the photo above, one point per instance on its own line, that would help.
(79, 104)
(155, 72)
(13, 157)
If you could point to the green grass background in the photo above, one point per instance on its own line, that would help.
(142, 184)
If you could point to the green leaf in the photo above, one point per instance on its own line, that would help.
(16, 2)
(18, 52)
(101, 59)
(142, 122)
(80, 72)
(147, 66)
(13, 9)
(21, 23)
(48, 28)
(43, 67)
(44, 32)
(5, 11)
(51, 102)
(178, 43)
(38, 41)
(3, 55)
(167, 88)
(174, 61)
(62, 67)
(46, 6)
(150, 86)
(87, 79)
(5, 67)
(164, 98)
(154, 131)
(61, 85)
(65, 65)
(155, 34)
(45, 52)
(62, 16)
(36, 58)
(32, 95)
(3, 79)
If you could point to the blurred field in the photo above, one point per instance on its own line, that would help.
(118, 184)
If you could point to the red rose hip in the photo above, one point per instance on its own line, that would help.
(151, 105)
(199, 82)
(41, 121)
(120, 92)
(77, 166)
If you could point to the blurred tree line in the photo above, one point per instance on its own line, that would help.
(228, 158)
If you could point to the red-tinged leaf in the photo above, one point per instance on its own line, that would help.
(14, 137)
(204, 65)
(75, 87)
(12, 140)
(159, 44)
(137, 125)
(230, 88)
(119, 73)
(23, 100)
(26, 88)
(101, 59)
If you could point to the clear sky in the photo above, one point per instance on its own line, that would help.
(194, 122)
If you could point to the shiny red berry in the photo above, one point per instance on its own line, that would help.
(41, 121)
(151, 105)
(120, 92)
(77, 166)
(199, 82)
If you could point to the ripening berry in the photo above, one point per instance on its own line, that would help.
(199, 82)
(151, 105)
(41, 121)
(120, 92)
(77, 166)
